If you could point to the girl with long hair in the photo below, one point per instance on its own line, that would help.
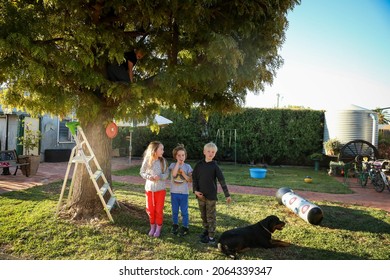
(154, 170)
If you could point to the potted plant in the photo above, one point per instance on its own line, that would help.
(316, 157)
(29, 141)
(332, 147)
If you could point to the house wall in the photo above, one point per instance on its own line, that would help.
(13, 121)
(49, 129)
(3, 127)
(48, 126)
(33, 125)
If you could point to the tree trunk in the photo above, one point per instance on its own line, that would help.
(85, 203)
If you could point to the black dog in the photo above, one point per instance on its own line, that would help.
(258, 235)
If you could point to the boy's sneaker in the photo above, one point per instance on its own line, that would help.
(204, 239)
(212, 241)
(175, 229)
(208, 240)
(183, 231)
(204, 234)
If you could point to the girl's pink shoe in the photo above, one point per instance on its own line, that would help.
(152, 229)
(158, 231)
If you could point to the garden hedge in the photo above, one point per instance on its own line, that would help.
(253, 135)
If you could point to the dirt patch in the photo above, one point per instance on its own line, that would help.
(7, 257)
(133, 210)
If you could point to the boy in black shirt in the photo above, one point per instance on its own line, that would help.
(124, 72)
(204, 176)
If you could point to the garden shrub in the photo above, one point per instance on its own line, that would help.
(272, 136)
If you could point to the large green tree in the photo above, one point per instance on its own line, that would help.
(208, 53)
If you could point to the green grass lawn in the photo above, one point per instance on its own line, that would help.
(30, 230)
(277, 176)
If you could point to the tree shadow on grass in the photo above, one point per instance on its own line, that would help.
(338, 217)
(295, 252)
(132, 217)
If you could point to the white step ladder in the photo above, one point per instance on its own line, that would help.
(78, 156)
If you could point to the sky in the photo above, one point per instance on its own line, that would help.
(336, 53)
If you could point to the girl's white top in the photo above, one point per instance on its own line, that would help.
(147, 172)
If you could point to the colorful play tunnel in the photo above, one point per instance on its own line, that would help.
(306, 210)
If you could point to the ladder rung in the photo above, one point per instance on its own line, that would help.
(84, 159)
(80, 159)
(111, 203)
(97, 174)
(104, 188)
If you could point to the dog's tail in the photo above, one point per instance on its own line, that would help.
(225, 249)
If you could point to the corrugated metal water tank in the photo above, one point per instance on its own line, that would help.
(351, 123)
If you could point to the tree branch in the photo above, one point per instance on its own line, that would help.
(42, 42)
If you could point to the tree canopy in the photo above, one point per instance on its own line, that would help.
(53, 54)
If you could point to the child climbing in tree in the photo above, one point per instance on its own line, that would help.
(181, 175)
(124, 72)
(154, 170)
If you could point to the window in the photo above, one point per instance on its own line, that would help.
(64, 135)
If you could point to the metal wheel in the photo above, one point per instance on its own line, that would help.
(379, 184)
(356, 151)
(364, 173)
(363, 178)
